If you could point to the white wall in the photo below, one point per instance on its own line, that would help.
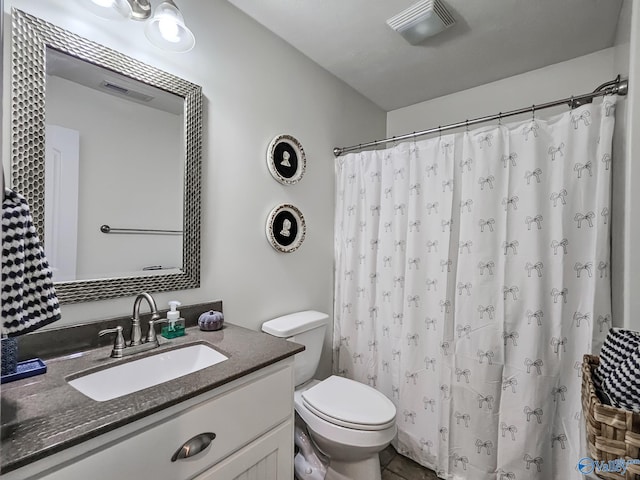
(631, 286)
(138, 186)
(621, 214)
(255, 87)
(561, 80)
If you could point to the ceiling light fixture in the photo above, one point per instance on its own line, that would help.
(166, 29)
(110, 9)
(139, 9)
(104, 3)
(421, 21)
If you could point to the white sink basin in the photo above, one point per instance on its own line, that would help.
(125, 378)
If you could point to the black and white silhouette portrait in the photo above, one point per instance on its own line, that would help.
(285, 228)
(286, 159)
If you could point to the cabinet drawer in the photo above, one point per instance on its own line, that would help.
(236, 417)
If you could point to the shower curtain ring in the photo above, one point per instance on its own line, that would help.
(500, 118)
(533, 111)
(466, 125)
(571, 103)
(440, 131)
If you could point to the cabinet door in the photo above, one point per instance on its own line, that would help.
(268, 458)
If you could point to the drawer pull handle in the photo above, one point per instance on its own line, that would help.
(194, 446)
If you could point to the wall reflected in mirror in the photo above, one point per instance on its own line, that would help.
(114, 156)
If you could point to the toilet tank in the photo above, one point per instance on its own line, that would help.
(307, 328)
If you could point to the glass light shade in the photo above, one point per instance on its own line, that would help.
(104, 3)
(109, 9)
(167, 30)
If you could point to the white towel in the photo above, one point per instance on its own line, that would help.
(28, 297)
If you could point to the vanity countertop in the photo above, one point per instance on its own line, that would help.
(43, 415)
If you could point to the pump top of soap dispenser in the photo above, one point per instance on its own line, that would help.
(176, 327)
(173, 314)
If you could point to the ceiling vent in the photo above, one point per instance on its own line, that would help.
(421, 20)
(125, 92)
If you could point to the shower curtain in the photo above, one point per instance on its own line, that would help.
(472, 274)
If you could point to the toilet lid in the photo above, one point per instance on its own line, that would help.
(350, 404)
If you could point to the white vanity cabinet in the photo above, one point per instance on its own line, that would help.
(251, 417)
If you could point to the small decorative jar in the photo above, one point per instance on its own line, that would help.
(211, 320)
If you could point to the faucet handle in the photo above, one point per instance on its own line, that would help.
(118, 343)
(151, 334)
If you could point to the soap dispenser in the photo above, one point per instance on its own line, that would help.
(175, 324)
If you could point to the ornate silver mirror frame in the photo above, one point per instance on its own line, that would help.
(30, 38)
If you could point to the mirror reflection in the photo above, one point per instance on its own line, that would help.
(114, 156)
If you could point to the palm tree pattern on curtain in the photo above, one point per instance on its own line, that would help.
(472, 274)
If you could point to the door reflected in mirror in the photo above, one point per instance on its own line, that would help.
(114, 156)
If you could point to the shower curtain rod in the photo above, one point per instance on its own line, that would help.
(617, 86)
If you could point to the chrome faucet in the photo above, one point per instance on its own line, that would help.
(136, 345)
(136, 332)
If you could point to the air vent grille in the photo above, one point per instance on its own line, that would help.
(443, 13)
(421, 20)
(119, 90)
(406, 16)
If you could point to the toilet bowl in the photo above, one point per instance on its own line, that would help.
(349, 422)
(349, 438)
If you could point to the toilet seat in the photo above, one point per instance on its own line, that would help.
(348, 437)
(350, 404)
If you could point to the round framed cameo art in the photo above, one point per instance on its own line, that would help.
(286, 159)
(286, 228)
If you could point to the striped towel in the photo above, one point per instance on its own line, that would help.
(622, 386)
(28, 297)
(617, 347)
(618, 375)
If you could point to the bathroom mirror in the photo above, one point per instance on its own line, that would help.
(123, 215)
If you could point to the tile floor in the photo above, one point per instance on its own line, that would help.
(397, 467)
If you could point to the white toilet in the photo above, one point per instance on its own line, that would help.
(349, 422)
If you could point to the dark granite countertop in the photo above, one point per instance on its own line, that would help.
(43, 415)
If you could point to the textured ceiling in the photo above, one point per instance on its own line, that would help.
(492, 39)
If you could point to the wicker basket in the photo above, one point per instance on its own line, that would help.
(612, 433)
